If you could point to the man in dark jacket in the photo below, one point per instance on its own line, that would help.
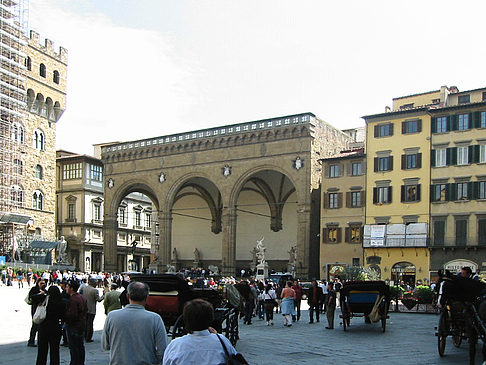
(331, 306)
(36, 295)
(298, 297)
(76, 314)
(313, 298)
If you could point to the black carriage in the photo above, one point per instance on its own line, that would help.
(451, 323)
(368, 299)
(169, 293)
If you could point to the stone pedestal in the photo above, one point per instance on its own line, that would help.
(196, 264)
(262, 271)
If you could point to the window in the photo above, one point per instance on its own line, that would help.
(18, 133)
(462, 191)
(334, 171)
(55, 77)
(383, 163)
(72, 171)
(411, 161)
(406, 106)
(440, 192)
(439, 232)
(461, 231)
(148, 220)
(441, 125)
(96, 173)
(484, 95)
(353, 234)
(482, 123)
(382, 195)
(17, 195)
(384, 130)
(481, 189)
(357, 169)
(38, 172)
(331, 234)
(18, 167)
(411, 126)
(482, 153)
(42, 70)
(39, 140)
(462, 155)
(464, 99)
(38, 200)
(356, 261)
(410, 193)
(28, 63)
(463, 122)
(122, 216)
(356, 199)
(333, 201)
(71, 212)
(138, 219)
(97, 212)
(441, 157)
(482, 230)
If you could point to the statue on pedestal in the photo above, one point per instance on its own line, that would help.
(61, 251)
(292, 259)
(260, 251)
(175, 256)
(253, 263)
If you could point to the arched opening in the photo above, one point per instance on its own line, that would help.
(266, 207)
(196, 224)
(42, 70)
(55, 77)
(403, 272)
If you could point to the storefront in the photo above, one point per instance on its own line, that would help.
(403, 272)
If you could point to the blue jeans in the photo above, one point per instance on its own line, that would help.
(76, 345)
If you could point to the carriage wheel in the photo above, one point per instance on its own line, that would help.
(442, 334)
(178, 329)
(457, 340)
(232, 328)
(383, 323)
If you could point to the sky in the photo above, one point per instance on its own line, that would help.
(146, 68)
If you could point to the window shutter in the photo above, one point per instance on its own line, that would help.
(402, 193)
(432, 193)
(404, 127)
(376, 164)
(339, 235)
(419, 194)
(362, 234)
(347, 234)
(375, 195)
(454, 156)
(433, 125)
(391, 129)
(325, 235)
(477, 119)
(363, 198)
(454, 122)
(339, 200)
(341, 170)
(326, 171)
(349, 169)
(453, 191)
(470, 154)
(419, 160)
(326, 200)
(419, 125)
(449, 123)
(404, 162)
(389, 194)
(477, 152)
(377, 131)
(390, 163)
(475, 190)
(448, 192)
(432, 158)
(348, 199)
(470, 190)
(470, 124)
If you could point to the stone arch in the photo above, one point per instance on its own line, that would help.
(131, 186)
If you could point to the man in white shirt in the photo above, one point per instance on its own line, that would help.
(322, 305)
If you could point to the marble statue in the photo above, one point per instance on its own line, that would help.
(61, 250)
(260, 251)
(197, 255)
(175, 255)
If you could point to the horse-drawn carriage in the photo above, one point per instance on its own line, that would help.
(168, 294)
(462, 313)
(368, 299)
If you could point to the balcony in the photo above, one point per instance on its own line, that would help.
(396, 235)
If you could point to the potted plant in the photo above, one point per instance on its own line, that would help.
(409, 300)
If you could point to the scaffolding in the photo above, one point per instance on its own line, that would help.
(13, 117)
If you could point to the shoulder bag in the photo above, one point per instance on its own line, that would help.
(237, 359)
(41, 312)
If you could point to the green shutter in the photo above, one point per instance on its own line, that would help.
(475, 192)
(476, 153)
(470, 124)
(469, 190)
(449, 123)
(454, 156)
(477, 119)
(432, 158)
(419, 195)
(433, 125)
(470, 154)
(453, 192)
(448, 192)
(454, 126)
(432, 192)
(402, 193)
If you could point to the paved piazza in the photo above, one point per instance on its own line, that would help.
(409, 339)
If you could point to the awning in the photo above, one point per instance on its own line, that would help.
(43, 245)
(14, 218)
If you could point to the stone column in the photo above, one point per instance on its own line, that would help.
(228, 261)
(303, 241)
(110, 228)
(165, 241)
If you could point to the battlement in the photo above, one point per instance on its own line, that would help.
(48, 47)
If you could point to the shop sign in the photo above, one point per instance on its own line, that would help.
(455, 266)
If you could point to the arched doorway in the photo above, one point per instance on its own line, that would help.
(403, 272)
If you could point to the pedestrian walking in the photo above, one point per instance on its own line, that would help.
(92, 298)
(314, 296)
(288, 307)
(76, 313)
(331, 306)
(36, 296)
(134, 335)
(50, 328)
(269, 297)
(20, 278)
(298, 298)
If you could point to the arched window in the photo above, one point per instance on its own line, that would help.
(39, 140)
(38, 172)
(38, 200)
(55, 77)
(28, 63)
(17, 195)
(42, 70)
(18, 166)
(18, 133)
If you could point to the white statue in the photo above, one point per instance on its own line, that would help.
(293, 255)
(260, 251)
(61, 250)
(171, 268)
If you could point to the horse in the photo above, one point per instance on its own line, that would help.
(467, 294)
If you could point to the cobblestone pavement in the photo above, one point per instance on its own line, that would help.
(409, 338)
